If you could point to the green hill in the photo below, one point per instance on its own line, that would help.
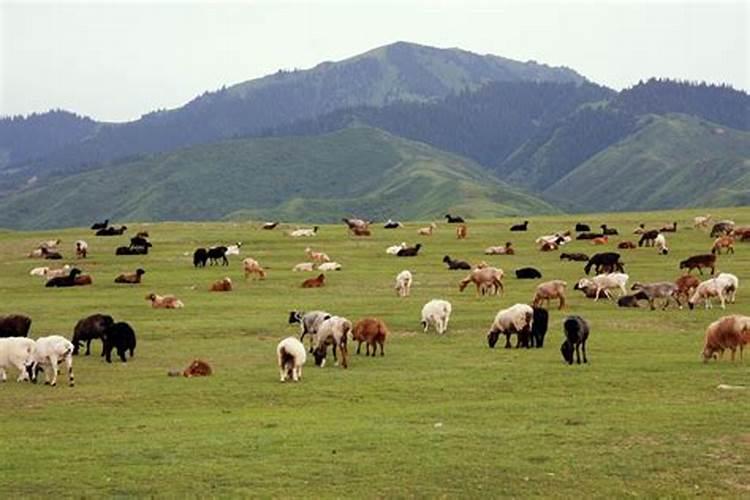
(670, 161)
(361, 171)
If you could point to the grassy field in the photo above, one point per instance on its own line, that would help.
(437, 416)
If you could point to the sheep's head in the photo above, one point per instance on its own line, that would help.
(492, 337)
(636, 286)
(151, 297)
(140, 272)
(320, 356)
(582, 284)
(566, 349)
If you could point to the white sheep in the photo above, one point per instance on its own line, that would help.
(47, 354)
(58, 273)
(309, 323)
(701, 221)
(437, 313)
(304, 266)
(604, 282)
(318, 257)
(515, 319)
(233, 249)
(82, 249)
(329, 266)
(393, 249)
(724, 286)
(333, 331)
(39, 271)
(660, 242)
(427, 231)
(291, 356)
(403, 283)
(297, 233)
(16, 352)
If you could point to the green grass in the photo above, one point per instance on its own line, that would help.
(437, 416)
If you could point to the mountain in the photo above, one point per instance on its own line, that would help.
(670, 161)
(397, 72)
(361, 171)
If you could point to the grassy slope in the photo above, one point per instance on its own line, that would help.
(644, 417)
(675, 161)
(359, 170)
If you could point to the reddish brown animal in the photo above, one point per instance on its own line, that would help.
(729, 332)
(315, 282)
(461, 232)
(626, 245)
(224, 285)
(372, 332)
(699, 262)
(83, 280)
(198, 368)
(723, 242)
(686, 285)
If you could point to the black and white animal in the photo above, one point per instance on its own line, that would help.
(648, 238)
(121, 337)
(47, 354)
(111, 231)
(409, 251)
(528, 273)
(454, 265)
(454, 220)
(100, 225)
(580, 227)
(218, 253)
(392, 224)
(64, 281)
(14, 325)
(576, 334)
(90, 328)
(309, 323)
(606, 262)
(608, 231)
(520, 227)
(134, 249)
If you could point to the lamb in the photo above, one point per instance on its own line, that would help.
(14, 325)
(580, 227)
(200, 257)
(291, 357)
(361, 231)
(198, 368)
(353, 224)
(223, 285)
(728, 332)
(516, 320)
(454, 219)
(251, 266)
(741, 233)
(486, 280)
(119, 336)
(427, 231)
(90, 328)
(581, 257)
(393, 249)
(605, 262)
(520, 227)
(608, 231)
(329, 266)
(392, 224)
(318, 257)
(304, 233)
(111, 231)
(461, 232)
(140, 241)
(604, 282)
(233, 249)
(456, 265)
(314, 282)
(304, 266)
(701, 221)
(16, 352)
(41, 271)
(549, 246)
(699, 262)
(333, 331)
(436, 313)
(726, 242)
(550, 290)
(640, 229)
(164, 301)
(558, 239)
(661, 245)
(409, 251)
(528, 273)
(49, 244)
(47, 354)
(309, 323)
(270, 225)
(373, 332)
(131, 278)
(100, 225)
(64, 281)
(724, 286)
(660, 290)
(403, 283)
(500, 250)
(576, 334)
(686, 285)
(216, 253)
(82, 249)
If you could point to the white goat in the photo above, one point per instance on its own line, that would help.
(403, 283)
(605, 283)
(393, 250)
(291, 355)
(16, 352)
(48, 353)
(437, 313)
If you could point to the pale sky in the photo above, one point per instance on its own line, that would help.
(114, 61)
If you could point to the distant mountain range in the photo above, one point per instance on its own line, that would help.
(558, 137)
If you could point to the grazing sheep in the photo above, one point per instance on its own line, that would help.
(356, 223)
(403, 283)
(393, 249)
(82, 249)
(121, 337)
(454, 220)
(270, 225)
(500, 250)
(372, 332)
(131, 278)
(16, 352)
(314, 282)
(528, 273)
(47, 354)
(291, 357)
(304, 266)
(516, 320)
(427, 231)
(580, 227)
(223, 285)
(90, 328)
(304, 233)
(520, 227)
(100, 225)
(722, 228)
(333, 331)
(198, 368)
(699, 262)
(330, 266)
(580, 257)
(550, 290)
(14, 325)
(436, 313)
(318, 257)
(461, 232)
(686, 285)
(218, 253)
(606, 262)
(392, 224)
(701, 221)
(64, 281)
(728, 332)
(660, 290)
(726, 242)
(661, 245)
(164, 302)
(608, 231)
(648, 238)
(309, 323)
(603, 240)
(576, 334)
(724, 286)
(251, 266)
(456, 265)
(111, 231)
(409, 251)
(626, 245)
(200, 257)
(741, 233)
(605, 283)
(486, 280)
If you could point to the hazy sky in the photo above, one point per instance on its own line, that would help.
(117, 60)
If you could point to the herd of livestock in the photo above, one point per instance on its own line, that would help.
(528, 322)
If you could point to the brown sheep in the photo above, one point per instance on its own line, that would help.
(314, 282)
(686, 285)
(548, 246)
(626, 245)
(251, 266)
(427, 231)
(486, 280)
(500, 250)
(373, 332)
(83, 280)
(198, 368)
(723, 242)
(131, 278)
(164, 302)
(223, 285)
(461, 232)
(729, 332)
(318, 257)
(699, 262)
(550, 290)
(360, 231)
(601, 240)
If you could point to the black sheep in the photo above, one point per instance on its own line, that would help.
(392, 224)
(14, 325)
(50, 255)
(607, 231)
(90, 328)
(527, 273)
(200, 257)
(454, 265)
(216, 253)
(454, 220)
(64, 281)
(133, 250)
(631, 300)
(100, 225)
(605, 262)
(111, 231)
(580, 227)
(589, 236)
(409, 251)
(576, 334)
(581, 257)
(539, 327)
(119, 336)
(520, 227)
